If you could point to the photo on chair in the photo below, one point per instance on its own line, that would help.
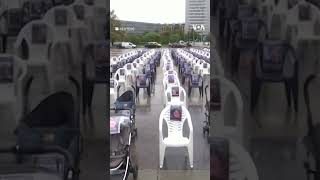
(61, 17)
(175, 91)
(6, 69)
(305, 12)
(39, 33)
(175, 113)
(273, 58)
(291, 3)
(79, 11)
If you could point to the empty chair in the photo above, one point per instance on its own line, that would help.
(246, 39)
(130, 72)
(175, 117)
(61, 18)
(221, 90)
(195, 81)
(113, 90)
(276, 62)
(149, 71)
(11, 22)
(175, 95)
(143, 82)
(32, 45)
(121, 77)
(166, 73)
(170, 80)
(14, 86)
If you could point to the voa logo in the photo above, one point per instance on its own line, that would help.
(198, 27)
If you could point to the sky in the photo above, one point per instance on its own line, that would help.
(152, 11)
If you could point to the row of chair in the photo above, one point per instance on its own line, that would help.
(175, 112)
(137, 70)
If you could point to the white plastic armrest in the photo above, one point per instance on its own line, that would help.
(161, 123)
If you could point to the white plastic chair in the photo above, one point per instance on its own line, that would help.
(175, 95)
(218, 127)
(13, 79)
(167, 83)
(121, 73)
(175, 133)
(130, 75)
(38, 37)
(113, 90)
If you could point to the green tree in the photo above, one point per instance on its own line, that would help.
(151, 36)
(116, 35)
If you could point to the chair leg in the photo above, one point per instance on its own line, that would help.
(162, 152)
(190, 153)
(288, 92)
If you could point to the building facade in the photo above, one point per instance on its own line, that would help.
(197, 16)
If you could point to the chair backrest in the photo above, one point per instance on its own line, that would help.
(175, 116)
(220, 125)
(97, 23)
(166, 73)
(38, 36)
(13, 72)
(61, 18)
(121, 72)
(176, 92)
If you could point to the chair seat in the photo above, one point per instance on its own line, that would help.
(176, 141)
